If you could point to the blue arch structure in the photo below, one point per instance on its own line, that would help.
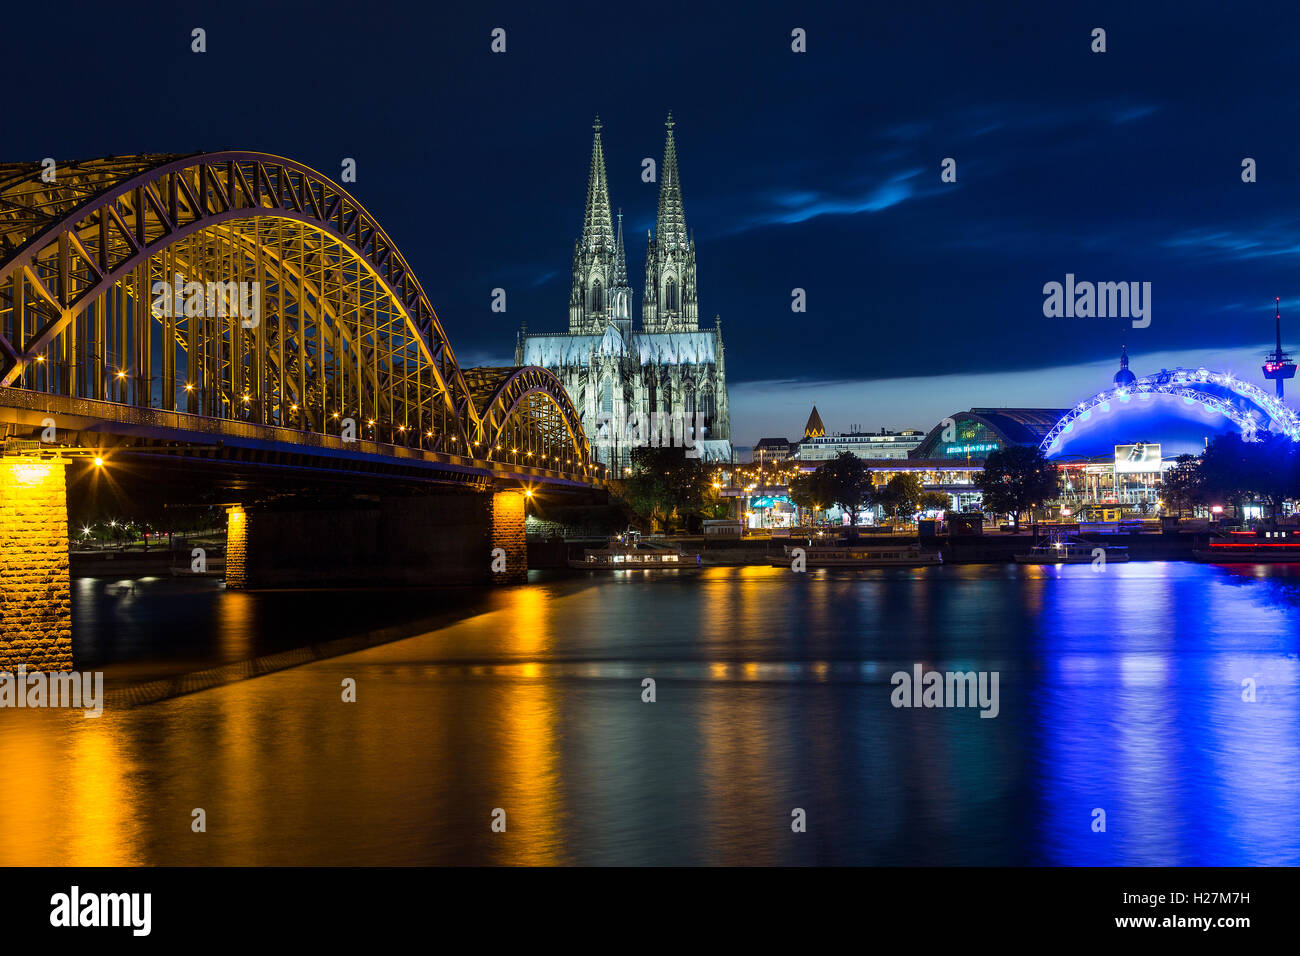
(1206, 398)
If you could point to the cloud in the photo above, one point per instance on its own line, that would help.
(1264, 244)
(788, 208)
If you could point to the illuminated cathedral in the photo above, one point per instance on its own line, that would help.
(662, 383)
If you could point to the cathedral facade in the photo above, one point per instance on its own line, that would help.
(662, 383)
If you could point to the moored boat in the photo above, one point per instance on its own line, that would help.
(628, 552)
(1061, 547)
(858, 556)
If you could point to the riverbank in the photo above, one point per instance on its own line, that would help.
(956, 549)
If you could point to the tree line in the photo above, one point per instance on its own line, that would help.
(672, 491)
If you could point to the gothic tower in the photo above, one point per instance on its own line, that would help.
(620, 293)
(594, 254)
(670, 303)
(664, 382)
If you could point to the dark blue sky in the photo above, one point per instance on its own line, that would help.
(818, 170)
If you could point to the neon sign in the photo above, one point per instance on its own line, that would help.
(970, 449)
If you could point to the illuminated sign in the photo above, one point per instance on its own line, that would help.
(1137, 458)
(972, 449)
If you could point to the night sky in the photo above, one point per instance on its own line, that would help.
(818, 170)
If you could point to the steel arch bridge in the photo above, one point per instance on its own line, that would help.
(243, 288)
(1247, 406)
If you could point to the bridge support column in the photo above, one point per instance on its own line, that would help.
(508, 535)
(236, 547)
(35, 586)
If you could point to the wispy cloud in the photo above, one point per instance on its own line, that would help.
(796, 206)
(1266, 243)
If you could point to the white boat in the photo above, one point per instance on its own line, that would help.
(628, 552)
(1063, 548)
(859, 556)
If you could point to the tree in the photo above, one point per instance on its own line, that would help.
(1015, 479)
(1180, 485)
(848, 483)
(1235, 470)
(934, 501)
(811, 491)
(900, 496)
(666, 487)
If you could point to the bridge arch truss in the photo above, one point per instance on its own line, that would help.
(246, 287)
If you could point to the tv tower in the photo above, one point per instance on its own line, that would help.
(1277, 364)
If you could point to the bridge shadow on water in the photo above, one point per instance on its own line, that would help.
(152, 628)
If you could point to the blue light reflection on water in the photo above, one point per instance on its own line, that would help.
(1142, 715)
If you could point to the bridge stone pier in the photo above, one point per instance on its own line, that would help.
(414, 541)
(35, 588)
(508, 535)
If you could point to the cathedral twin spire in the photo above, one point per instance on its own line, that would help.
(597, 229)
(671, 224)
(670, 303)
(601, 295)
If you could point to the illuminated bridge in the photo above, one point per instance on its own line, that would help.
(240, 312)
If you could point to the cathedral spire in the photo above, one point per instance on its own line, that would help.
(671, 226)
(620, 256)
(597, 229)
(620, 293)
(591, 299)
(671, 301)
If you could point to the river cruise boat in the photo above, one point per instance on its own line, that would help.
(628, 552)
(1061, 547)
(858, 556)
(1265, 547)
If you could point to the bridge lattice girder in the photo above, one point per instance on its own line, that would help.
(90, 253)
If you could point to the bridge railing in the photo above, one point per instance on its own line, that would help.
(153, 421)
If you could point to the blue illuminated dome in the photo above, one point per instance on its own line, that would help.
(1180, 409)
(1124, 377)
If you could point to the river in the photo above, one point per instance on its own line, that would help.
(1126, 692)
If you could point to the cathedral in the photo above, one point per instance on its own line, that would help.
(664, 383)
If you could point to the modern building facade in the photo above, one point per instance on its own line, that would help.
(662, 383)
(971, 435)
(873, 445)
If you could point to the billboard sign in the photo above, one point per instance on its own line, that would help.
(1139, 458)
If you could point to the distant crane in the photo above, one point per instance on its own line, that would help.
(1277, 364)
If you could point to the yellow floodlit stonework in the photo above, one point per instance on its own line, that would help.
(35, 589)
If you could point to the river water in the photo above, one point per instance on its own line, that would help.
(1119, 692)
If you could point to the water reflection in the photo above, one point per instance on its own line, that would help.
(1121, 691)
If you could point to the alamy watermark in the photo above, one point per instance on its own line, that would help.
(75, 689)
(239, 300)
(946, 689)
(74, 908)
(650, 430)
(1100, 300)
